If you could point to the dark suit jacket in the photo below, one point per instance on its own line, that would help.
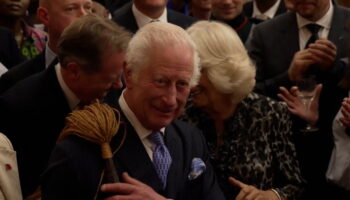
(32, 116)
(248, 9)
(22, 71)
(76, 166)
(273, 51)
(125, 18)
(10, 55)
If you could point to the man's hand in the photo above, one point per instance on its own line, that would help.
(301, 62)
(296, 106)
(323, 53)
(345, 110)
(252, 193)
(131, 189)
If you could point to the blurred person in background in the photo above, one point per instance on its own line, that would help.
(30, 41)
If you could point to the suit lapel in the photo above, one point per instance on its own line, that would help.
(133, 158)
(281, 9)
(338, 31)
(290, 45)
(173, 142)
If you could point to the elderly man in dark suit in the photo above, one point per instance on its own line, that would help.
(33, 111)
(55, 16)
(162, 65)
(138, 13)
(309, 41)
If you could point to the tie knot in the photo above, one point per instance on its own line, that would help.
(154, 20)
(157, 138)
(313, 28)
(262, 17)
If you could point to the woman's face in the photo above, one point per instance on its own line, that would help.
(14, 8)
(209, 99)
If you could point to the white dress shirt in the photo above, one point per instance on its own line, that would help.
(270, 13)
(141, 131)
(325, 22)
(49, 56)
(72, 99)
(3, 69)
(142, 19)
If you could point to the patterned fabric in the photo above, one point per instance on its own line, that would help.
(33, 42)
(256, 149)
(161, 157)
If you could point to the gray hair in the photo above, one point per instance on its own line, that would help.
(158, 34)
(88, 39)
(224, 58)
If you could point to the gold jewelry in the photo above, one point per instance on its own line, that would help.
(277, 194)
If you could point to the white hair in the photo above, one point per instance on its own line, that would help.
(224, 58)
(163, 35)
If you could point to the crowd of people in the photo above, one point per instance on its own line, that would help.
(203, 99)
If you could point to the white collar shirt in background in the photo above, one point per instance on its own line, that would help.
(142, 19)
(270, 13)
(3, 69)
(325, 22)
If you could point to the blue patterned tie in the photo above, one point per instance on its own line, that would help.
(161, 157)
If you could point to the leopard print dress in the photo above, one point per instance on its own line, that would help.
(257, 147)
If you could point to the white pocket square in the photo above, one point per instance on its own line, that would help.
(197, 168)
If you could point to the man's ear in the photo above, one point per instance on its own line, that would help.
(73, 70)
(127, 75)
(43, 15)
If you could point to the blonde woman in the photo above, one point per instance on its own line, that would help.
(249, 135)
(9, 180)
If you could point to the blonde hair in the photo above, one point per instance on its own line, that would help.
(224, 58)
(158, 35)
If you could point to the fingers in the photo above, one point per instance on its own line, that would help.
(318, 92)
(245, 192)
(290, 97)
(236, 182)
(324, 52)
(300, 64)
(129, 179)
(121, 188)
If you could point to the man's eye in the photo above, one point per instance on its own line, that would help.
(70, 9)
(160, 82)
(182, 84)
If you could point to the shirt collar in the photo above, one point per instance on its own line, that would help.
(271, 12)
(325, 21)
(142, 19)
(49, 56)
(72, 99)
(129, 114)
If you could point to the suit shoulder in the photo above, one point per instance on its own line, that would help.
(23, 91)
(187, 130)
(122, 12)
(21, 72)
(180, 19)
(279, 21)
